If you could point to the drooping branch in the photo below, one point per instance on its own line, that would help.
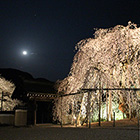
(114, 54)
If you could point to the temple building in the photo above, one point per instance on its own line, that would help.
(22, 94)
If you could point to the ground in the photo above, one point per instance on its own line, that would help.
(124, 130)
(47, 133)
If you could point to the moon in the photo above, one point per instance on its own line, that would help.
(24, 52)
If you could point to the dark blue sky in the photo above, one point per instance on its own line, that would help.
(49, 31)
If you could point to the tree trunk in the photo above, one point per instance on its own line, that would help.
(79, 115)
(107, 116)
(110, 106)
(89, 119)
(129, 105)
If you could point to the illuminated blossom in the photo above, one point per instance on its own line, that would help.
(109, 60)
(6, 90)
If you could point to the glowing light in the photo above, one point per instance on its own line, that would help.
(24, 52)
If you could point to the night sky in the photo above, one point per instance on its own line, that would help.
(49, 31)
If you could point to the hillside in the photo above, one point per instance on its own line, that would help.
(25, 82)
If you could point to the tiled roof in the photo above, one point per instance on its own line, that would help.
(39, 87)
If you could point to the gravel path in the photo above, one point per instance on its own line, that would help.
(45, 133)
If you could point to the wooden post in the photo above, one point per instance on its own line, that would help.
(138, 115)
(113, 119)
(107, 106)
(89, 114)
(138, 125)
(35, 112)
(100, 99)
(138, 118)
(61, 113)
(99, 108)
(2, 101)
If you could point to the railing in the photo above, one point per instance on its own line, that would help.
(83, 91)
